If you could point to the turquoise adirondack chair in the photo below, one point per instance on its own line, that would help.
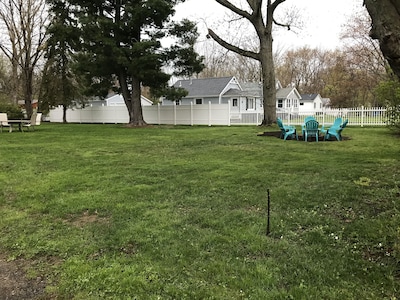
(336, 131)
(336, 123)
(311, 129)
(306, 119)
(287, 130)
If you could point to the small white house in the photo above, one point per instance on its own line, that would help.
(220, 90)
(288, 99)
(310, 103)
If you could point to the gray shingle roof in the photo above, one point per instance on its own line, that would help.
(235, 92)
(308, 97)
(283, 92)
(204, 87)
(252, 89)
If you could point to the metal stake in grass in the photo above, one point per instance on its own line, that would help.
(268, 213)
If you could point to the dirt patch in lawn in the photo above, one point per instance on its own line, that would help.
(87, 218)
(14, 283)
(277, 134)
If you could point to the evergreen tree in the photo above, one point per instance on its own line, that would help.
(120, 47)
(59, 84)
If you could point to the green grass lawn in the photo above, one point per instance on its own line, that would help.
(108, 212)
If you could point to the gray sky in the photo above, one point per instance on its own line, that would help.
(322, 20)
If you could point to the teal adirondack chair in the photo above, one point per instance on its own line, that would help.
(287, 130)
(303, 126)
(336, 124)
(336, 131)
(311, 129)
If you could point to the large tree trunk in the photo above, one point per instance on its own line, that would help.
(136, 112)
(65, 108)
(132, 100)
(385, 15)
(28, 90)
(268, 73)
(269, 90)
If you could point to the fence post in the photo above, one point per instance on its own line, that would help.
(175, 113)
(229, 112)
(209, 113)
(191, 113)
(362, 115)
(158, 114)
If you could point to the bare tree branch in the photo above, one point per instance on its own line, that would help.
(275, 4)
(233, 48)
(235, 9)
(282, 25)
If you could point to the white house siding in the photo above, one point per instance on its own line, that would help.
(306, 107)
(288, 100)
(189, 101)
(309, 107)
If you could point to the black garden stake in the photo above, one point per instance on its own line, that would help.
(268, 213)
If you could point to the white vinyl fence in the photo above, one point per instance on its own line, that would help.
(214, 114)
(359, 116)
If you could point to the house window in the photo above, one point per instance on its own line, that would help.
(288, 102)
(235, 102)
(178, 102)
(315, 105)
(280, 103)
(249, 104)
(199, 101)
(301, 103)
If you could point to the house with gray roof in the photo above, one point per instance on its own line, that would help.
(288, 99)
(220, 90)
(243, 97)
(310, 103)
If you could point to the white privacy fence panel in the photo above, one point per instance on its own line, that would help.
(216, 114)
(206, 114)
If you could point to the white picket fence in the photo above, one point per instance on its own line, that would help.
(214, 114)
(359, 116)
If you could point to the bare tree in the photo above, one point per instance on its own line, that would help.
(385, 15)
(303, 68)
(23, 23)
(220, 62)
(364, 50)
(364, 58)
(260, 14)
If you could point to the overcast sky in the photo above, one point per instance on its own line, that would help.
(322, 20)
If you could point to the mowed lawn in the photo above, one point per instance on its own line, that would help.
(108, 212)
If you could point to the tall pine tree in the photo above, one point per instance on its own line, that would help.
(120, 47)
(59, 83)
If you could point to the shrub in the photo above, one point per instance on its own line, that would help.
(389, 93)
(13, 111)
